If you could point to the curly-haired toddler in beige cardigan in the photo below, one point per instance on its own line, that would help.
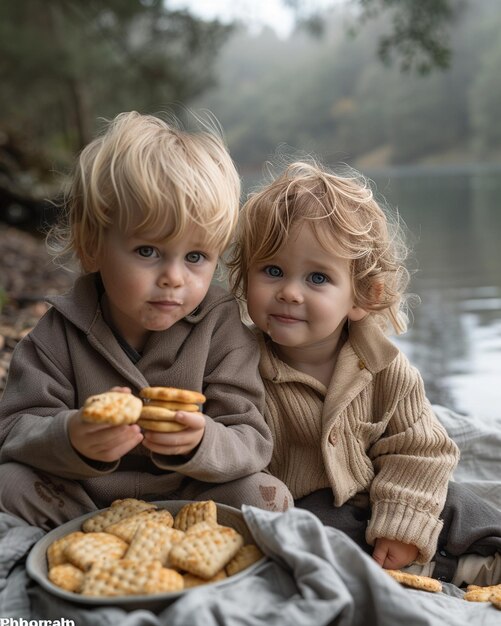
(319, 265)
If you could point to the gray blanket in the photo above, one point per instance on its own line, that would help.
(315, 576)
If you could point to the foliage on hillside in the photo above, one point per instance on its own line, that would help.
(332, 96)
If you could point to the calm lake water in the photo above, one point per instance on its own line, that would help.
(455, 335)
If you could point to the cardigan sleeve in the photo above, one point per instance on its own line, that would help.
(413, 463)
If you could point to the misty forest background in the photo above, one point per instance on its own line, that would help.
(64, 64)
(332, 95)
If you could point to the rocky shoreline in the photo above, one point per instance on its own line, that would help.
(27, 275)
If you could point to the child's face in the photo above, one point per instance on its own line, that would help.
(151, 283)
(303, 295)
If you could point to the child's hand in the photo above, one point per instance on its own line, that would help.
(392, 554)
(102, 442)
(182, 442)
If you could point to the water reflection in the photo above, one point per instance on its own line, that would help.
(455, 336)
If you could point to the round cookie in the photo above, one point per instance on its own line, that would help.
(172, 394)
(175, 406)
(112, 407)
(161, 427)
(157, 413)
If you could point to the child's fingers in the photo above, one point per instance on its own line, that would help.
(118, 450)
(181, 442)
(112, 446)
(380, 552)
(112, 434)
(191, 420)
(122, 389)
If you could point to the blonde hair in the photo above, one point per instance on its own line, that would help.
(145, 172)
(346, 220)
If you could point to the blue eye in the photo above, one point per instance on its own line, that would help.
(146, 252)
(273, 270)
(318, 279)
(194, 257)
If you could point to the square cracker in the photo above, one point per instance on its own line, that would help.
(194, 512)
(205, 553)
(119, 509)
(66, 576)
(92, 547)
(126, 528)
(190, 580)
(152, 542)
(126, 577)
(55, 552)
(246, 556)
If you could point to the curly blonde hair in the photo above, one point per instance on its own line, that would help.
(144, 172)
(347, 221)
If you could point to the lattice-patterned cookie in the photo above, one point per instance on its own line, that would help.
(205, 553)
(126, 577)
(92, 547)
(66, 577)
(119, 509)
(153, 542)
(55, 552)
(194, 512)
(126, 528)
(246, 556)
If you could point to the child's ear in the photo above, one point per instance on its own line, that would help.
(356, 314)
(377, 291)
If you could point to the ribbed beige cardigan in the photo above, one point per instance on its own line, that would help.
(372, 430)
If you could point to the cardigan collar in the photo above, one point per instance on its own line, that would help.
(366, 342)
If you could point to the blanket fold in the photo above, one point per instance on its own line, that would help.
(315, 576)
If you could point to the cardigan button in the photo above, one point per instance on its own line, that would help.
(361, 365)
(332, 438)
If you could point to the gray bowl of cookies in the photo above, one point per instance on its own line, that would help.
(138, 554)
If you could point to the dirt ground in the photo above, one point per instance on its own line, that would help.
(27, 274)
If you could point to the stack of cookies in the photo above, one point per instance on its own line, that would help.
(156, 411)
(161, 405)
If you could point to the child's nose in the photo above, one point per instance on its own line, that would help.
(290, 292)
(172, 275)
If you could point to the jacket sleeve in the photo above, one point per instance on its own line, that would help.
(36, 405)
(413, 463)
(237, 441)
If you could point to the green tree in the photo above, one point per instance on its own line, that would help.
(418, 36)
(65, 63)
